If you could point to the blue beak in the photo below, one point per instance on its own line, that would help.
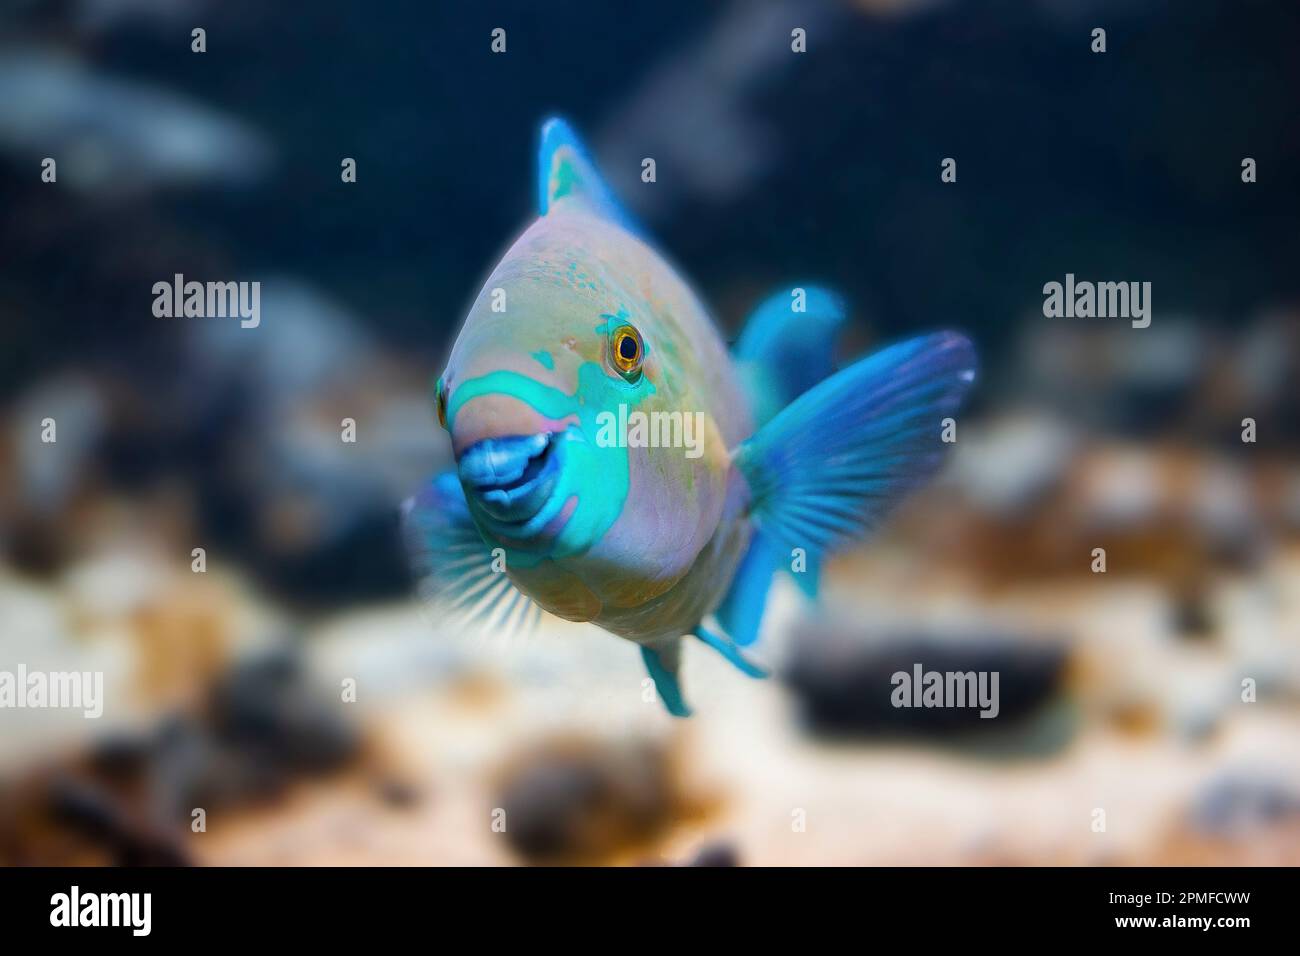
(511, 477)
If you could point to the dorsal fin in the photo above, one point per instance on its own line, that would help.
(567, 176)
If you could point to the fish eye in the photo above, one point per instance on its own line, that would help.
(440, 400)
(628, 351)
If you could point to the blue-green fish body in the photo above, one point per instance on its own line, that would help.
(608, 468)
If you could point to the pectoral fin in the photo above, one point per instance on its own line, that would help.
(458, 574)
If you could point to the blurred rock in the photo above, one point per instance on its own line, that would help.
(1134, 383)
(1235, 804)
(269, 711)
(716, 854)
(841, 676)
(584, 800)
(111, 823)
(129, 799)
(316, 515)
(398, 793)
(1010, 465)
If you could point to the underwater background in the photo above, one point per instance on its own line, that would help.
(1124, 691)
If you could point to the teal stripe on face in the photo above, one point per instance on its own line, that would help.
(597, 476)
(544, 399)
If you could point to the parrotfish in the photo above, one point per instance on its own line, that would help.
(617, 464)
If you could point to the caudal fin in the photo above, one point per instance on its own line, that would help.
(834, 462)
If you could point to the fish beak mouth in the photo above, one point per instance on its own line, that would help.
(512, 480)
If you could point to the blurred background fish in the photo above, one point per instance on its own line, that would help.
(293, 690)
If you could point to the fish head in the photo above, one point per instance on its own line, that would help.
(550, 394)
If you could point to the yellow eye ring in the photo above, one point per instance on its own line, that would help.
(627, 351)
(440, 400)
